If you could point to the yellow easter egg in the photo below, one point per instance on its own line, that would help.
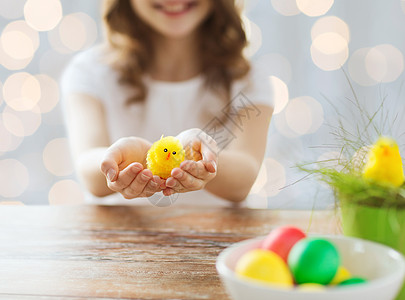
(311, 287)
(342, 274)
(264, 266)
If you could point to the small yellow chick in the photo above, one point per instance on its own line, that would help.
(164, 155)
(384, 164)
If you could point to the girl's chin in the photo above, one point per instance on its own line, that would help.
(176, 33)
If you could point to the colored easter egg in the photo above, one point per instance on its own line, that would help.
(341, 275)
(311, 287)
(282, 239)
(313, 260)
(352, 280)
(265, 267)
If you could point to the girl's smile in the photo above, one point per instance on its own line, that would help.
(175, 8)
(173, 18)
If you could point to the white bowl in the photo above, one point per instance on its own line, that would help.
(383, 267)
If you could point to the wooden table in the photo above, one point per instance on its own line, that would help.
(71, 252)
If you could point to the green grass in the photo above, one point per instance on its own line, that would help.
(350, 186)
(343, 174)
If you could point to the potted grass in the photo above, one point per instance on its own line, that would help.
(367, 179)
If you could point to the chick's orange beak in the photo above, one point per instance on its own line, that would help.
(386, 151)
(168, 156)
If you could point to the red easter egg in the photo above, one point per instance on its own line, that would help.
(282, 239)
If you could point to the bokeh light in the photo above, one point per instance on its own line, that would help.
(304, 115)
(317, 112)
(276, 177)
(279, 92)
(282, 126)
(314, 8)
(18, 43)
(298, 116)
(56, 157)
(329, 43)
(330, 24)
(253, 35)
(257, 196)
(66, 192)
(49, 93)
(260, 181)
(22, 123)
(11, 63)
(329, 62)
(384, 63)
(43, 15)
(11, 9)
(357, 68)
(286, 7)
(329, 51)
(75, 32)
(8, 141)
(14, 178)
(21, 91)
(1, 93)
(24, 28)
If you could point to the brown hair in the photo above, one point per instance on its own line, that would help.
(222, 40)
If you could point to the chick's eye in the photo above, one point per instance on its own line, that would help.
(165, 150)
(174, 152)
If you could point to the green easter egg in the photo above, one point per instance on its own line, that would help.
(313, 260)
(353, 280)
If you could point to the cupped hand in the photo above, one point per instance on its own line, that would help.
(123, 166)
(200, 166)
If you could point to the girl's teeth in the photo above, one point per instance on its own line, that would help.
(175, 8)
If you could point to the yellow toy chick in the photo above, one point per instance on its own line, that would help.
(384, 164)
(164, 155)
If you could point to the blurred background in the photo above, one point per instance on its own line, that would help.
(314, 52)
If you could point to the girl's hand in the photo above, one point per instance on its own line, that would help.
(194, 175)
(123, 166)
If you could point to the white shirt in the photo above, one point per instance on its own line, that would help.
(169, 108)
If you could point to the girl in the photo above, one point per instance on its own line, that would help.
(172, 67)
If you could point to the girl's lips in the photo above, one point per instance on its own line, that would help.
(175, 8)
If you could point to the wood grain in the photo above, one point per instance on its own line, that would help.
(127, 252)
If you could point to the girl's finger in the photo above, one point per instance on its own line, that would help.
(196, 169)
(138, 184)
(209, 148)
(210, 166)
(151, 187)
(173, 184)
(126, 176)
(168, 192)
(109, 165)
(186, 182)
